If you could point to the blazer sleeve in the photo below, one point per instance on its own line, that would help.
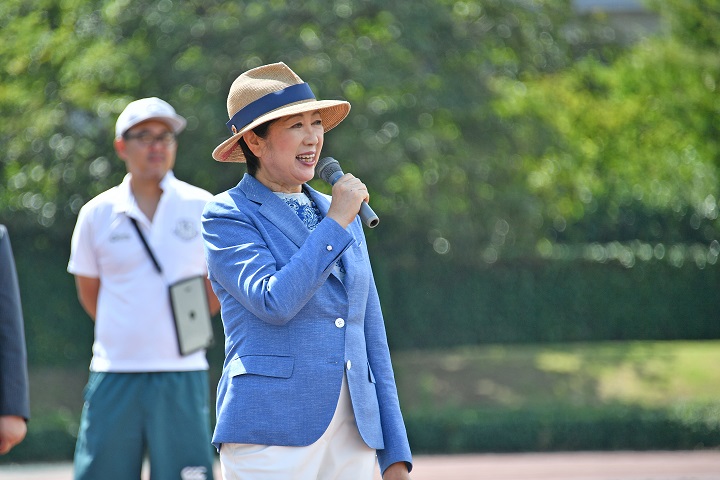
(14, 390)
(242, 256)
(397, 447)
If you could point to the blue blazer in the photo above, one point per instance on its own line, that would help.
(292, 328)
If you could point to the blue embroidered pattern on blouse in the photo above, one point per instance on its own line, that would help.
(310, 214)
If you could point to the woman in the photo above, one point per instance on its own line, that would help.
(307, 389)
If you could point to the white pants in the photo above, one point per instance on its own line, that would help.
(339, 454)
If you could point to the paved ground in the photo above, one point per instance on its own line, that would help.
(699, 465)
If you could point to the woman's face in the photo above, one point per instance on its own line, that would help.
(289, 152)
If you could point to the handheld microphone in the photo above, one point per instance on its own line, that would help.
(329, 170)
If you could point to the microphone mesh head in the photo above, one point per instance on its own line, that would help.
(326, 168)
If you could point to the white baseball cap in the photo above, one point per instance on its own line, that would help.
(151, 108)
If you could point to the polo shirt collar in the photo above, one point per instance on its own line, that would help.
(126, 200)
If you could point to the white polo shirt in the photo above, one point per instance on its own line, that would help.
(134, 329)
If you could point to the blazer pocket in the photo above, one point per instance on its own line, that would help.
(279, 366)
(371, 377)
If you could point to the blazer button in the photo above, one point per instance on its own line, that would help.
(348, 364)
(339, 322)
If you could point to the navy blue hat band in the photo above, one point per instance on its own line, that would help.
(268, 103)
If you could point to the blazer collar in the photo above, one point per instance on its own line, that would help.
(126, 204)
(274, 209)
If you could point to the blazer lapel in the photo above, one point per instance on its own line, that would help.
(275, 210)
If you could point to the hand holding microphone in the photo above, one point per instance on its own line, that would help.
(329, 170)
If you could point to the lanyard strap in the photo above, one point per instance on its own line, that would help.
(147, 247)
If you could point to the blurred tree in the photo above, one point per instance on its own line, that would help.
(440, 163)
(629, 149)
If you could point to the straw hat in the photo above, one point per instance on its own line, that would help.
(268, 93)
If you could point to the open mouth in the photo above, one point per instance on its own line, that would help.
(308, 159)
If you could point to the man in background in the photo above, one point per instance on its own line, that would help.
(14, 391)
(130, 243)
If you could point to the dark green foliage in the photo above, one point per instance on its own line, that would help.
(57, 330)
(434, 306)
(563, 429)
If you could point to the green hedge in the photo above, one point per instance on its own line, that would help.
(57, 330)
(539, 301)
(564, 429)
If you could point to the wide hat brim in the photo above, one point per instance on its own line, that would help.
(332, 113)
